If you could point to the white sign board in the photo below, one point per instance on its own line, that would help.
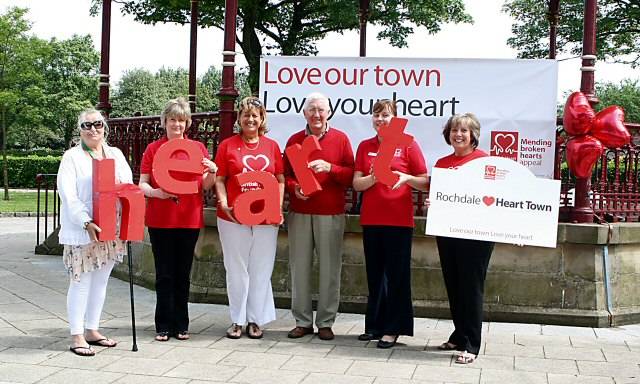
(494, 199)
(515, 100)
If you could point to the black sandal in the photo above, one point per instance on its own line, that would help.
(252, 331)
(182, 335)
(162, 336)
(87, 348)
(234, 331)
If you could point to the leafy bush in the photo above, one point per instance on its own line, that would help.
(23, 169)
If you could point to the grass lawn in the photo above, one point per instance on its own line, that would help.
(24, 202)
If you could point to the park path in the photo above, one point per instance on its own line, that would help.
(34, 345)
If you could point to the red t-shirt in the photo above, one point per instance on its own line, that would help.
(380, 204)
(167, 213)
(336, 150)
(234, 156)
(453, 162)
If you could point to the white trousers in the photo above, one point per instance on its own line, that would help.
(249, 253)
(85, 299)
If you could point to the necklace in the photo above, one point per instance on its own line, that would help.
(254, 145)
(91, 153)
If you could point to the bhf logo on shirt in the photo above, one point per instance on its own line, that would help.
(504, 144)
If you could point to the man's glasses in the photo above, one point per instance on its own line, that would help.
(87, 125)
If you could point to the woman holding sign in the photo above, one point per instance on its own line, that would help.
(464, 262)
(386, 217)
(174, 223)
(88, 261)
(249, 251)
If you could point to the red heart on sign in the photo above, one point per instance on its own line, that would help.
(488, 200)
(582, 154)
(578, 114)
(608, 127)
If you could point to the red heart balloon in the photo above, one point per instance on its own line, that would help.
(582, 154)
(608, 127)
(578, 114)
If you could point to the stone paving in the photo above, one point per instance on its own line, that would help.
(34, 342)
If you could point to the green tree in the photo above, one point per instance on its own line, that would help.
(617, 37)
(137, 92)
(71, 83)
(292, 27)
(209, 86)
(626, 94)
(21, 77)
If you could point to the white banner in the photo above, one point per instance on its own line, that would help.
(494, 199)
(515, 100)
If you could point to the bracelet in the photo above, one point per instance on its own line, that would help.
(86, 224)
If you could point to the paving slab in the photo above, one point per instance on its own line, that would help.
(34, 341)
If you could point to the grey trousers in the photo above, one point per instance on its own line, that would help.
(324, 235)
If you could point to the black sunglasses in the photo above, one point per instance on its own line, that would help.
(255, 102)
(87, 125)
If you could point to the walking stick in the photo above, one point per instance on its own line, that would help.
(134, 348)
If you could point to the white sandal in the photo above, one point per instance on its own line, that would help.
(465, 358)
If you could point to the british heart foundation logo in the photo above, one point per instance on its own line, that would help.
(504, 144)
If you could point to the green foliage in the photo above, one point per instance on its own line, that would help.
(293, 27)
(23, 169)
(626, 95)
(617, 36)
(140, 91)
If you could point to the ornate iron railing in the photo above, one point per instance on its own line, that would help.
(615, 188)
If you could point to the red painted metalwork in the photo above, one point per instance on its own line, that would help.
(364, 16)
(615, 183)
(552, 16)
(104, 104)
(583, 212)
(193, 52)
(228, 92)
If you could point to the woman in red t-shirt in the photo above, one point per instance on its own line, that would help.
(386, 217)
(464, 262)
(249, 251)
(174, 224)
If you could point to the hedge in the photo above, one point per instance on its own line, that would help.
(23, 169)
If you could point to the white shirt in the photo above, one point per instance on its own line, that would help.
(76, 191)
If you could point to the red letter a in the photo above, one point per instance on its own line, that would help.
(392, 136)
(269, 193)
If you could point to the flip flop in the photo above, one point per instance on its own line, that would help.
(162, 336)
(104, 342)
(447, 346)
(75, 351)
(183, 335)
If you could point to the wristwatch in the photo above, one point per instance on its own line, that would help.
(86, 223)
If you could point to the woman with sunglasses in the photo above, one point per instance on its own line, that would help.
(249, 251)
(88, 261)
(174, 224)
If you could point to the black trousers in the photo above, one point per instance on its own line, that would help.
(173, 256)
(387, 252)
(464, 267)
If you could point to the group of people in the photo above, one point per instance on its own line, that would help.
(315, 225)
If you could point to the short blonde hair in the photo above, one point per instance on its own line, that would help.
(468, 120)
(178, 107)
(253, 102)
